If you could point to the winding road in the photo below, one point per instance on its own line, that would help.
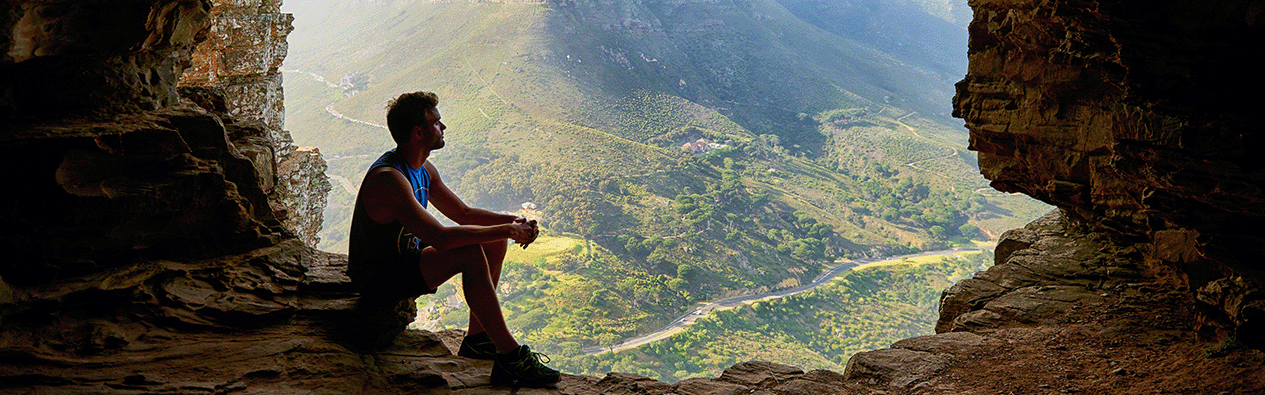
(345, 183)
(329, 108)
(687, 319)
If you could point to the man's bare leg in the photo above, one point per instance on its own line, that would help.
(472, 262)
(495, 253)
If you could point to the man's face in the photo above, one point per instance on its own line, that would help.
(432, 135)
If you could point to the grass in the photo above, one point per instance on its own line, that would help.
(920, 260)
(546, 248)
(1227, 345)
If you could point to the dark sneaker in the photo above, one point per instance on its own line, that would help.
(522, 367)
(478, 346)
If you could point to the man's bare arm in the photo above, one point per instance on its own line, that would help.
(390, 197)
(457, 210)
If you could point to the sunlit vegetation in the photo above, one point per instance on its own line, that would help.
(827, 149)
(865, 309)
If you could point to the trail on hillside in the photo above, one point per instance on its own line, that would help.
(952, 151)
(911, 129)
(687, 319)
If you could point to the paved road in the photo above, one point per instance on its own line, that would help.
(688, 318)
(345, 183)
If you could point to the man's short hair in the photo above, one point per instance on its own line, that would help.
(407, 111)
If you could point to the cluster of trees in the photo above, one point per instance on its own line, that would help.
(805, 239)
(912, 202)
(843, 116)
(644, 115)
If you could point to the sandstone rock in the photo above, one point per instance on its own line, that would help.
(802, 386)
(965, 296)
(977, 320)
(899, 368)
(815, 382)
(1058, 253)
(97, 57)
(7, 295)
(757, 373)
(1023, 238)
(1041, 303)
(1240, 301)
(129, 188)
(701, 386)
(941, 343)
(1151, 152)
(615, 383)
(234, 75)
(301, 191)
(164, 318)
(744, 378)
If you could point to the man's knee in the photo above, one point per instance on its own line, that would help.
(471, 256)
(492, 246)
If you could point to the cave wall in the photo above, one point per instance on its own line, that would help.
(108, 165)
(146, 255)
(1141, 121)
(94, 57)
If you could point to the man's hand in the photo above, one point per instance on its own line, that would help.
(534, 231)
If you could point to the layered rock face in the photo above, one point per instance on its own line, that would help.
(1137, 121)
(234, 74)
(111, 166)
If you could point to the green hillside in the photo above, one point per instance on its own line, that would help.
(865, 309)
(827, 146)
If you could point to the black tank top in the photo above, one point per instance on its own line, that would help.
(371, 242)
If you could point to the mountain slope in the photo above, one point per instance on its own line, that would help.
(825, 147)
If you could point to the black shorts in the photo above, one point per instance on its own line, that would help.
(396, 277)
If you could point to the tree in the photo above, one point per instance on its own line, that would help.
(685, 271)
(608, 340)
(569, 349)
(969, 231)
(676, 283)
(938, 231)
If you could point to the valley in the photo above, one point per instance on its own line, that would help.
(687, 319)
(834, 146)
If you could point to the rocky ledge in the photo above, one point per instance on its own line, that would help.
(280, 319)
(1065, 310)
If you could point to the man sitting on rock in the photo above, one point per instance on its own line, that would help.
(398, 250)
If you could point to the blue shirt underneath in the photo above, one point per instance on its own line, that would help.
(419, 179)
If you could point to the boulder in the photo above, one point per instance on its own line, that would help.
(898, 367)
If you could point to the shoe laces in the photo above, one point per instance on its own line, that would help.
(534, 359)
(540, 358)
